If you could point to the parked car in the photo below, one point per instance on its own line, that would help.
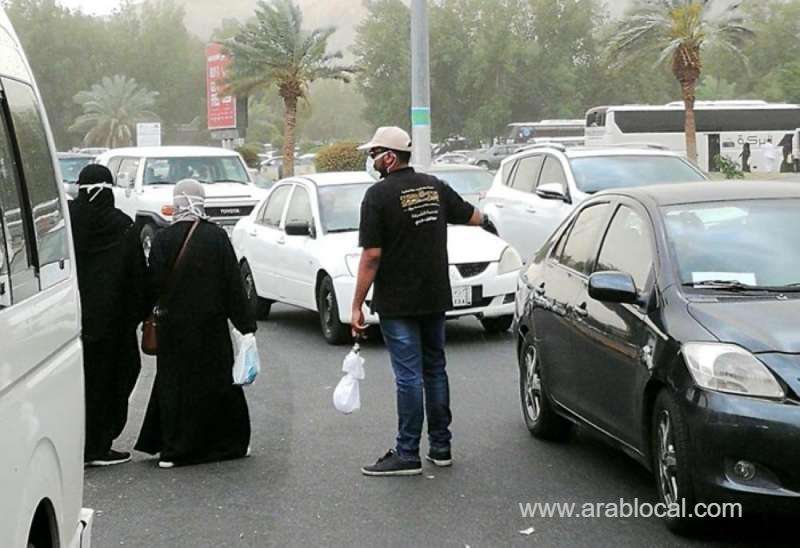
(490, 158)
(41, 359)
(146, 176)
(71, 164)
(300, 246)
(460, 157)
(470, 182)
(93, 151)
(534, 190)
(665, 319)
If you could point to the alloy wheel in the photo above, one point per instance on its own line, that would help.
(533, 385)
(667, 459)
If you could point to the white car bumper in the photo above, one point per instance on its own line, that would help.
(486, 295)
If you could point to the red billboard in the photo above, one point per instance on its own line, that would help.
(221, 108)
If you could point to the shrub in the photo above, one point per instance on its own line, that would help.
(728, 167)
(249, 155)
(342, 156)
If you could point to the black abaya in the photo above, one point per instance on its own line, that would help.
(112, 281)
(195, 413)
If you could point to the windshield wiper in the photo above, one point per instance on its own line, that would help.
(736, 286)
(338, 230)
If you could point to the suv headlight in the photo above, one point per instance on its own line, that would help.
(730, 368)
(509, 261)
(352, 260)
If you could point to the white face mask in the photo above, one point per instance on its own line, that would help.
(370, 166)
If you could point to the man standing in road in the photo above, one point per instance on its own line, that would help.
(403, 234)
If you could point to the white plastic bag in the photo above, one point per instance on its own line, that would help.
(247, 364)
(347, 395)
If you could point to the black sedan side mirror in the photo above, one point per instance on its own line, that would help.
(299, 229)
(613, 287)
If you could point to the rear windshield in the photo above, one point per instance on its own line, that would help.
(596, 173)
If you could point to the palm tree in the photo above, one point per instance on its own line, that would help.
(274, 50)
(111, 109)
(678, 31)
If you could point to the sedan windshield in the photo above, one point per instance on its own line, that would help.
(765, 253)
(466, 181)
(71, 168)
(596, 173)
(219, 169)
(340, 206)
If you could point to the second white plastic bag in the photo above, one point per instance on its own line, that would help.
(347, 395)
(246, 364)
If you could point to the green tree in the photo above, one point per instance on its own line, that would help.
(677, 31)
(111, 110)
(275, 51)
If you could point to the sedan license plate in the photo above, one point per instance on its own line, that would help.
(462, 296)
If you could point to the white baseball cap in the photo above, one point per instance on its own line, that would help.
(393, 138)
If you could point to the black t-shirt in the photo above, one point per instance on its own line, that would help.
(406, 216)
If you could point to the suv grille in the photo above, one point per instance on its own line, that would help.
(229, 211)
(468, 270)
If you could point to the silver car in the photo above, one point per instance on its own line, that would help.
(534, 190)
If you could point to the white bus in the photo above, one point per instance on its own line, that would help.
(526, 132)
(41, 359)
(723, 128)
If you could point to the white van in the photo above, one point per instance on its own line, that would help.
(41, 363)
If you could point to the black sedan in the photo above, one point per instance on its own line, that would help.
(668, 320)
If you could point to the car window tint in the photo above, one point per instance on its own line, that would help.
(552, 172)
(113, 165)
(275, 205)
(579, 251)
(527, 173)
(506, 170)
(300, 208)
(39, 174)
(628, 247)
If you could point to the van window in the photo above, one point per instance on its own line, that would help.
(16, 266)
(129, 166)
(40, 179)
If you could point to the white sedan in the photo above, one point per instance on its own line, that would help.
(300, 246)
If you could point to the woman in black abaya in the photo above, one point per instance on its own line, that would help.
(112, 279)
(196, 414)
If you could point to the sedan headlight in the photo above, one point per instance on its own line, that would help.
(509, 261)
(352, 260)
(730, 368)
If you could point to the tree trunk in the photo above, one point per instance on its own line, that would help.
(690, 127)
(289, 125)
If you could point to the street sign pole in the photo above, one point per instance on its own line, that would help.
(420, 84)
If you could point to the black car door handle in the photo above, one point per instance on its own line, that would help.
(581, 310)
(540, 290)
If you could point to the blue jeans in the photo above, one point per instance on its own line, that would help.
(416, 347)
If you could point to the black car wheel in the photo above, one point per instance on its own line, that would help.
(670, 451)
(537, 410)
(484, 164)
(334, 331)
(497, 325)
(261, 307)
(147, 235)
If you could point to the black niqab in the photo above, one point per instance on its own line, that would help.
(97, 225)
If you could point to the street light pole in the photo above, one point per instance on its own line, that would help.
(420, 84)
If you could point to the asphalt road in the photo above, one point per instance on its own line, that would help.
(302, 484)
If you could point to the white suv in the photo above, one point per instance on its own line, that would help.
(145, 177)
(535, 189)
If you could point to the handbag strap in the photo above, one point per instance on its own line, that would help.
(166, 288)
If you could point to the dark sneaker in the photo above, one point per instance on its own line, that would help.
(110, 459)
(392, 465)
(440, 457)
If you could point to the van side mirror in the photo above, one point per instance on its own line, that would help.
(551, 191)
(613, 287)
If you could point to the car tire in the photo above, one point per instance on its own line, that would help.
(483, 164)
(537, 409)
(669, 436)
(261, 307)
(147, 235)
(500, 324)
(334, 331)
